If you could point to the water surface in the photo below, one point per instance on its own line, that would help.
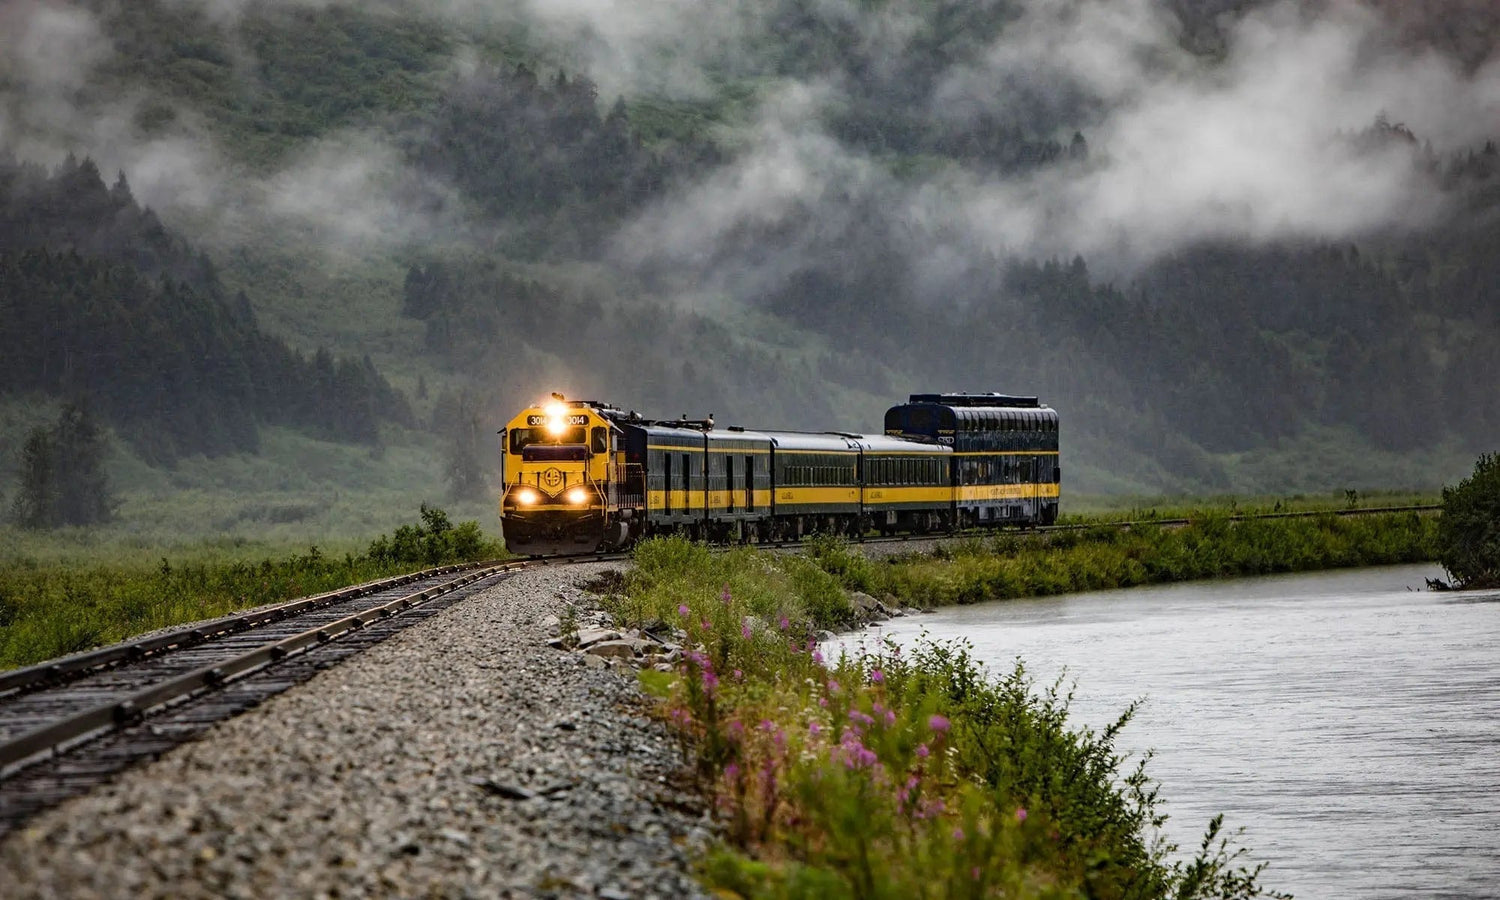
(1349, 721)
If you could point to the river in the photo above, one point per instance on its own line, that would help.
(1348, 721)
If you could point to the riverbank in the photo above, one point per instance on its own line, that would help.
(922, 774)
(1212, 545)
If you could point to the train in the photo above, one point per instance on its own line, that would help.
(583, 476)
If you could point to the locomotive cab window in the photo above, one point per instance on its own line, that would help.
(521, 438)
(599, 439)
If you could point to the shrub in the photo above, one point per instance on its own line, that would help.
(1469, 531)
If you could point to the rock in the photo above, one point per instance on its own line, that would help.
(867, 608)
(617, 649)
(552, 623)
(502, 789)
(587, 637)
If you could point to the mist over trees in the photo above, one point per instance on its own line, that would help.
(99, 300)
(789, 214)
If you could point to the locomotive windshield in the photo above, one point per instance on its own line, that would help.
(520, 438)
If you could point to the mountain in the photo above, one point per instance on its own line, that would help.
(1242, 246)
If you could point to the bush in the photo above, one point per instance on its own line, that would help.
(1469, 531)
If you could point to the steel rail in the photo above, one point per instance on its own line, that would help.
(88, 723)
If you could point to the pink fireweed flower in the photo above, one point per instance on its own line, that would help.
(817, 656)
(877, 676)
(974, 873)
(823, 702)
(683, 610)
(738, 675)
(784, 623)
(707, 625)
(1020, 814)
(732, 772)
(938, 723)
(745, 630)
(922, 750)
(890, 717)
(735, 728)
(833, 687)
(859, 717)
(710, 680)
(958, 834)
(724, 596)
(813, 728)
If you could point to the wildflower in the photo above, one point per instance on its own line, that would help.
(974, 873)
(938, 723)
(877, 676)
(1020, 814)
(922, 750)
(707, 625)
(813, 728)
(735, 728)
(745, 630)
(833, 686)
(739, 675)
(958, 833)
(732, 772)
(817, 656)
(785, 624)
(857, 716)
(890, 717)
(724, 596)
(683, 610)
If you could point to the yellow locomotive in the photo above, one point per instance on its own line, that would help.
(581, 476)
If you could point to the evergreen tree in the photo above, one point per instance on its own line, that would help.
(33, 506)
(62, 474)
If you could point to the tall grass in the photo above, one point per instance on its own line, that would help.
(50, 609)
(892, 775)
(1212, 546)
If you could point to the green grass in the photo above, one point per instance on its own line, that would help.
(77, 594)
(1011, 565)
(893, 775)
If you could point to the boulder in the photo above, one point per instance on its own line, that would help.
(587, 637)
(617, 649)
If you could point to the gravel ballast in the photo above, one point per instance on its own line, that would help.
(460, 758)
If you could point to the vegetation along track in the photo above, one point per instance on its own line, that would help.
(68, 725)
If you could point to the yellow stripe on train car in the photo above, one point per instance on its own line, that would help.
(875, 496)
(720, 500)
(809, 496)
(977, 492)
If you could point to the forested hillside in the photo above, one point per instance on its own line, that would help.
(1242, 246)
(99, 301)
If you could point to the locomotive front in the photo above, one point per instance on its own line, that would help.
(557, 464)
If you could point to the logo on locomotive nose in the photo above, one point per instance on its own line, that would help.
(552, 479)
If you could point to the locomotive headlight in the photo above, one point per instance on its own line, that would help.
(578, 496)
(527, 497)
(557, 418)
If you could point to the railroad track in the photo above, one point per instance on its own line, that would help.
(70, 724)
